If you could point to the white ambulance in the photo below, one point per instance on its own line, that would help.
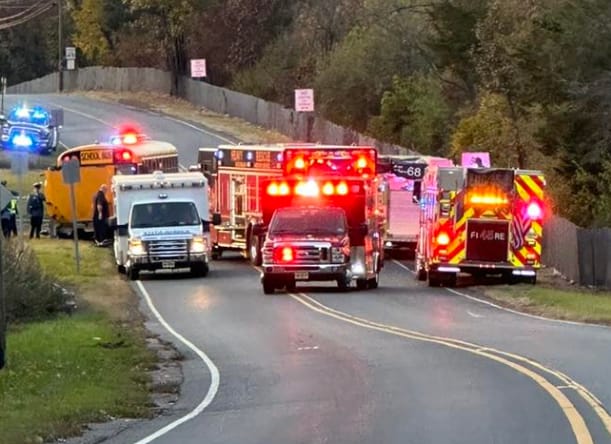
(162, 222)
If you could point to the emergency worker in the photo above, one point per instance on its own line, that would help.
(36, 210)
(9, 214)
(101, 214)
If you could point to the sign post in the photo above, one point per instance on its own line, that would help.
(5, 198)
(198, 68)
(3, 81)
(19, 167)
(304, 103)
(71, 174)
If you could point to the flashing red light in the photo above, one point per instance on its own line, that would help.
(278, 189)
(361, 163)
(342, 188)
(307, 189)
(534, 210)
(443, 238)
(299, 163)
(130, 139)
(284, 254)
(126, 155)
(328, 189)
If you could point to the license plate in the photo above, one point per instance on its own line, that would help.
(301, 275)
(168, 264)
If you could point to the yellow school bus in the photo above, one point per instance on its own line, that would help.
(98, 164)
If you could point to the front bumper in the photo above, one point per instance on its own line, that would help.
(309, 272)
(144, 262)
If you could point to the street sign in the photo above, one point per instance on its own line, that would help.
(70, 65)
(70, 53)
(304, 100)
(71, 171)
(198, 68)
(19, 163)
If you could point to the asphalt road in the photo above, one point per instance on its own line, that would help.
(400, 364)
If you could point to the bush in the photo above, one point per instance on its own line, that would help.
(30, 294)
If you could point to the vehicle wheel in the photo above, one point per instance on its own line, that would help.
(216, 253)
(434, 279)
(200, 269)
(121, 269)
(343, 284)
(254, 250)
(133, 274)
(374, 282)
(361, 284)
(532, 280)
(421, 274)
(269, 286)
(291, 286)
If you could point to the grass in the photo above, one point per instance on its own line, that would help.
(544, 300)
(66, 372)
(183, 109)
(23, 185)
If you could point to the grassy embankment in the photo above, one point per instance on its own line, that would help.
(67, 371)
(555, 301)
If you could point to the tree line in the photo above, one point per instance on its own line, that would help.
(527, 80)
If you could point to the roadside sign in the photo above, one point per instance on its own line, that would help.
(304, 100)
(19, 163)
(409, 170)
(475, 160)
(70, 53)
(70, 64)
(5, 196)
(71, 171)
(198, 68)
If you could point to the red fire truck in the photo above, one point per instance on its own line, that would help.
(321, 220)
(481, 221)
(236, 174)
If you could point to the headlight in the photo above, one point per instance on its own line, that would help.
(199, 244)
(136, 247)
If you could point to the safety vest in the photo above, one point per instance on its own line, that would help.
(12, 206)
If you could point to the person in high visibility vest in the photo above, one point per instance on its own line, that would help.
(14, 211)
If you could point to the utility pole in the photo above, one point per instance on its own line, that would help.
(2, 306)
(60, 49)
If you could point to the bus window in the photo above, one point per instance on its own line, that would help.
(126, 169)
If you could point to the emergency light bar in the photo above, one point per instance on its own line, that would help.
(312, 188)
(320, 161)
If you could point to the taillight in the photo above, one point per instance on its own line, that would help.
(361, 163)
(299, 163)
(308, 189)
(278, 189)
(284, 254)
(534, 211)
(328, 189)
(443, 238)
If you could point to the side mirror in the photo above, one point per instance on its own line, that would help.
(195, 168)
(206, 226)
(258, 229)
(216, 218)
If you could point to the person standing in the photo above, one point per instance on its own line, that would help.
(36, 210)
(100, 215)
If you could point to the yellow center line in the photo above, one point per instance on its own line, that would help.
(576, 421)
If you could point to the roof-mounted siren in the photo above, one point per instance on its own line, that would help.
(128, 135)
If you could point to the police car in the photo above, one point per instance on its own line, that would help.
(33, 130)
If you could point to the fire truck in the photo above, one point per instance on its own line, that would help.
(235, 174)
(404, 174)
(322, 220)
(481, 221)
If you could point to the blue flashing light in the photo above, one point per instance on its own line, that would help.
(116, 140)
(39, 115)
(23, 113)
(218, 154)
(22, 140)
(249, 156)
(279, 157)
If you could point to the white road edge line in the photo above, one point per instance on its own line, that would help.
(509, 310)
(214, 373)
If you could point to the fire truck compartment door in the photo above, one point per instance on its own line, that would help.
(487, 240)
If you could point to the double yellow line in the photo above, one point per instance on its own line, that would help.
(515, 362)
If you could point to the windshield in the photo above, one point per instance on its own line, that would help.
(330, 221)
(164, 214)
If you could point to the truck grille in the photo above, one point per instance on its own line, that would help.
(304, 254)
(32, 133)
(167, 249)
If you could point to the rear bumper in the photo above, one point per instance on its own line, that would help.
(484, 268)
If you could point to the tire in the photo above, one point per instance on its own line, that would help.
(200, 269)
(133, 274)
(217, 252)
(291, 286)
(361, 284)
(434, 279)
(343, 284)
(374, 282)
(421, 274)
(120, 269)
(269, 286)
(254, 250)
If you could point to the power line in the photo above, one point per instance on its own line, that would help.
(33, 11)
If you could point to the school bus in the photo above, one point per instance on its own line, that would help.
(133, 154)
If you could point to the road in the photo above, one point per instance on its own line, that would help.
(400, 364)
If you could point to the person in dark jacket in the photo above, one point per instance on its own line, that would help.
(36, 210)
(101, 214)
